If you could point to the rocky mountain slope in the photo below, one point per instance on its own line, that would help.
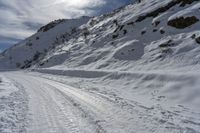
(148, 35)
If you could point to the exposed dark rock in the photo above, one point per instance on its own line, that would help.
(157, 11)
(198, 40)
(51, 25)
(185, 2)
(130, 23)
(156, 23)
(27, 64)
(162, 32)
(155, 30)
(36, 56)
(93, 22)
(121, 27)
(124, 31)
(29, 44)
(167, 44)
(160, 10)
(115, 22)
(143, 32)
(181, 23)
(86, 32)
(193, 36)
(115, 36)
(42, 63)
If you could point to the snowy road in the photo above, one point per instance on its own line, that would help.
(54, 107)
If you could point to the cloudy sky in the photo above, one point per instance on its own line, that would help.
(21, 18)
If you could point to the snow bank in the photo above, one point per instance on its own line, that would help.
(74, 73)
(13, 107)
(176, 88)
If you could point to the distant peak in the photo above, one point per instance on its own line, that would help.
(51, 25)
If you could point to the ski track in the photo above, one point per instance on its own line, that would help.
(56, 107)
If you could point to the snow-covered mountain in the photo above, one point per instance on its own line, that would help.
(148, 35)
(31, 50)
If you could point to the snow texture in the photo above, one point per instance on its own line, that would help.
(135, 69)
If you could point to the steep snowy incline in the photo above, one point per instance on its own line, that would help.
(153, 34)
(31, 50)
(57, 107)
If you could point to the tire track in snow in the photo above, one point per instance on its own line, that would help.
(101, 112)
(47, 114)
(175, 119)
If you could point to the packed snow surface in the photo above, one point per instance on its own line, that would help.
(69, 104)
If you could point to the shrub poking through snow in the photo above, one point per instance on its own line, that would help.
(162, 31)
(86, 32)
(167, 44)
(124, 31)
(130, 23)
(181, 23)
(193, 36)
(143, 32)
(36, 56)
(29, 44)
(155, 30)
(37, 38)
(115, 36)
(156, 23)
(115, 22)
(18, 65)
(121, 27)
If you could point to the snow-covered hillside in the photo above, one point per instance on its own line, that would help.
(149, 35)
(143, 58)
(34, 48)
(151, 32)
(141, 36)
